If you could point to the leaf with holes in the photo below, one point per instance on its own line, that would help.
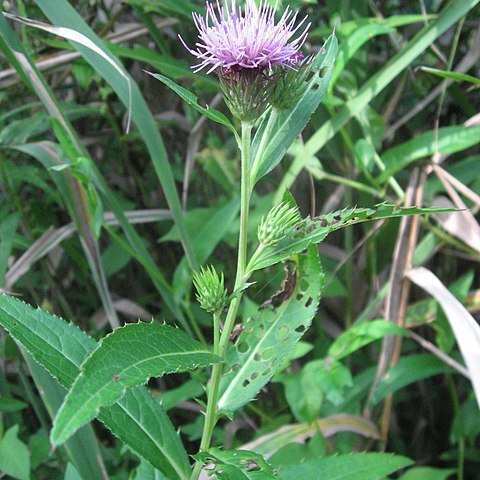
(314, 230)
(292, 121)
(271, 335)
(126, 358)
(236, 465)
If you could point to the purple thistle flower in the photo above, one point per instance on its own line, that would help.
(236, 40)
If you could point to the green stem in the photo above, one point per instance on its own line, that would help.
(211, 415)
(263, 144)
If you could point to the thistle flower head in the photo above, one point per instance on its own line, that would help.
(232, 39)
(277, 224)
(211, 293)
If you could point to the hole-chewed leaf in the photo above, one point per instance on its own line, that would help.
(281, 327)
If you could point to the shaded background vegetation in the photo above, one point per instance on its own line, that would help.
(386, 113)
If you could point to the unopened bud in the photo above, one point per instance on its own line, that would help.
(278, 223)
(211, 293)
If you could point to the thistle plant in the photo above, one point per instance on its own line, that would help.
(271, 89)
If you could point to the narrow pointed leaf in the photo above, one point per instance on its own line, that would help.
(137, 419)
(192, 100)
(126, 358)
(315, 230)
(293, 120)
(271, 335)
(364, 466)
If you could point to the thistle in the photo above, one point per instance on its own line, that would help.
(277, 224)
(211, 293)
(248, 51)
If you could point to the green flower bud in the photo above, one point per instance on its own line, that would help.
(278, 223)
(211, 293)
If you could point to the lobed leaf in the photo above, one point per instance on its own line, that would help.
(271, 335)
(61, 347)
(126, 358)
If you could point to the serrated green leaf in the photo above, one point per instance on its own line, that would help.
(236, 465)
(361, 466)
(126, 358)
(14, 455)
(292, 121)
(360, 335)
(313, 231)
(61, 347)
(192, 100)
(271, 335)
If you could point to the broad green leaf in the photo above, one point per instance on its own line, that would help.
(82, 449)
(428, 473)
(313, 231)
(360, 335)
(137, 419)
(318, 379)
(450, 140)
(236, 465)
(409, 370)
(272, 334)
(192, 100)
(14, 455)
(458, 77)
(292, 121)
(360, 466)
(126, 358)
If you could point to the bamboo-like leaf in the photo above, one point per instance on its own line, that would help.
(268, 444)
(315, 230)
(446, 140)
(457, 76)
(465, 328)
(62, 13)
(126, 358)
(364, 466)
(75, 36)
(137, 419)
(272, 334)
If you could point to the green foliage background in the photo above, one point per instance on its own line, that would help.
(102, 226)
